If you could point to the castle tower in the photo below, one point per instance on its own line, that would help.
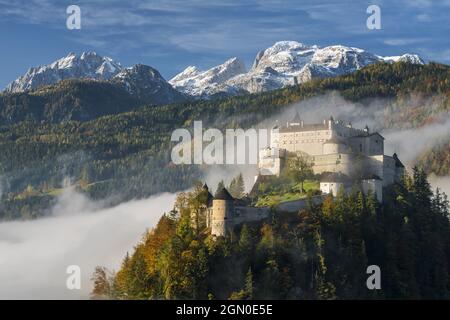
(222, 213)
(274, 137)
(331, 123)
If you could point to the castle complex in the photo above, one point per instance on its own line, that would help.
(342, 155)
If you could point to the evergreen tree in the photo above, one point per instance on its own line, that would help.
(245, 240)
(103, 281)
(249, 284)
(220, 186)
(237, 187)
(320, 253)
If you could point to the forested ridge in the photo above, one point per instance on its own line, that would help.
(321, 252)
(78, 100)
(127, 154)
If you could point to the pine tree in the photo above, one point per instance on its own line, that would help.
(249, 284)
(237, 187)
(245, 240)
(103, 280)
(220, 186)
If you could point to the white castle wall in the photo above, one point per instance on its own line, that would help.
(271, 161)
(333, 147)
(305, 141)
(331, 187)
(369, 145)
(333, 163)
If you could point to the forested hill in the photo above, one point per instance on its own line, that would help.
(320, 252)
(78, 100)
(127, 154)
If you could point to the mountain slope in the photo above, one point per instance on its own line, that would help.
(285, 63)
(142, 82)
(87, 65)
(87, 99)
(78, 100)
(147, 84)
(205, 84)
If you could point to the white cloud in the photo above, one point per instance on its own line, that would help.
(443, 183)
(403, 41)
(35, 254)
(410, 143)
(423, 17)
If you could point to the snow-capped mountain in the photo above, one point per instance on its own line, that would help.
(141, 81)
(147, 84)
(203, 84)
(87, 65)
(285, 63)
(411, 58)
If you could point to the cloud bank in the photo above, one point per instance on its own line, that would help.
(35, 254)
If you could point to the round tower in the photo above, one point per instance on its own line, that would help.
(333, 146)
(222, 213)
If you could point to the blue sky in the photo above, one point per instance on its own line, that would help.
(172, 34)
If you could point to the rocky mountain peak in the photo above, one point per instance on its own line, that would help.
(194, 82)
(147, 84)
(87, 65)
(283, 64)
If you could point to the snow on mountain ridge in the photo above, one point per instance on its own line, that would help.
(87, 65)
(147, 84)
(283, 64)
(198, 83)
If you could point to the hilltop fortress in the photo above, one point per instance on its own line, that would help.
(343, 156)
(344, 153)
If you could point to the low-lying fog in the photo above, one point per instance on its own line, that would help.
(35, 254)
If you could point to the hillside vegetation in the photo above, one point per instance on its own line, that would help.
(321, 252)
(128, 154)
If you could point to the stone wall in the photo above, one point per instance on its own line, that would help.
(296, 205)
(388, 170)
(249, 214)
